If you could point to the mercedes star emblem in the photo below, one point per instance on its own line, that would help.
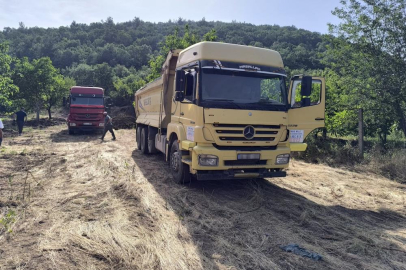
(249, 132)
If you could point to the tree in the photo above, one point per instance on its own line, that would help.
(369, 55)
(7, 88)
(37, 82)
(173, 42)
(61, 88)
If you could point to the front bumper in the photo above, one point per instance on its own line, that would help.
(227, 160)
(233, 174)
(81, 125)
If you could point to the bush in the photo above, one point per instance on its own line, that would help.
(388, 161)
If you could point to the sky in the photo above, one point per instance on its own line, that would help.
(311, 15)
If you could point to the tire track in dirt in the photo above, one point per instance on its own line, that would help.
(106, 206)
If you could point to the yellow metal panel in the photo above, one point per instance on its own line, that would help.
(309, 118)
(230, 53)
(187, 144)
(298, 147)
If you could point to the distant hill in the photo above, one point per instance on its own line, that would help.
(133, 43)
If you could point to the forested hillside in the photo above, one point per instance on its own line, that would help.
(131, 44)
(118, 56)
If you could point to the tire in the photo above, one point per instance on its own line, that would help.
(180, 171)
(138, 137)
(151, 146)
(144, 140)
(71, 131)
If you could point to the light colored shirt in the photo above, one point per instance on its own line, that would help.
(1, 124)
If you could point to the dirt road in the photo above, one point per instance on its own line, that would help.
(72, 202)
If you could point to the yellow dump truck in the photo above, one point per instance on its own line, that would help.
(224, 111)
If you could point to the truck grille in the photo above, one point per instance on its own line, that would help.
(87, 117)
(242, 139)
(235, 133)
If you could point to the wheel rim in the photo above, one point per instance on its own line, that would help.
(175, 161)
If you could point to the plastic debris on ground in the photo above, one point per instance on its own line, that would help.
(296, 249)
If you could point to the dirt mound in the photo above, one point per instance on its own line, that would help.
(45, 122)
(123, 117)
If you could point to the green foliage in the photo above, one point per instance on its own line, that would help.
(40, 83)
(172, 42)
(367, 60)
(7, 221)
(7, 88)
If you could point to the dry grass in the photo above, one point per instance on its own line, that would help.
(95, 205)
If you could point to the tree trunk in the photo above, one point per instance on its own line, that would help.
(402, 118)
(49, 112)
(324, 133)
(38, 111)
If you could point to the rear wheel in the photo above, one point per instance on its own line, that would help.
(180, 171)
(138, 137)
(151, 144)
(144, 140)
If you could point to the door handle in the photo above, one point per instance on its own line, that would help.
(319, 119)
(182, 114)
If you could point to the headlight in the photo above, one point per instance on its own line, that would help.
(282, 159)
(101, 124)
(208, 160)
(72, 124)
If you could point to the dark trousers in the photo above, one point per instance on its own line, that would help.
(1, 139)
(108, 128)
(20, 125)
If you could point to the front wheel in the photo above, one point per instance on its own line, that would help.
(180, 171)
(71, 131)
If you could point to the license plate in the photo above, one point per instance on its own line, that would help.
(87, 124)
(248, 156)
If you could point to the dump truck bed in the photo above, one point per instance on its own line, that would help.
(154, 100)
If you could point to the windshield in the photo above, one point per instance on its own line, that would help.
(87, 101)
(260, 90)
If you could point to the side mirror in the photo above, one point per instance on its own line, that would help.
(179, 96)
(306, 89)
(180, 81)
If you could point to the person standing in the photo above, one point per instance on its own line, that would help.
(1, 131)
(108, 126)
(21, 117)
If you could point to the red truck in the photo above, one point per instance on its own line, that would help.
(86, 107)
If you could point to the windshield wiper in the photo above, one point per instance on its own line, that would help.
(231, 101)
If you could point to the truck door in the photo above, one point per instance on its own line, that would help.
(307, 106)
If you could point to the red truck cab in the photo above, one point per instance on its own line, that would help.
(86, 107)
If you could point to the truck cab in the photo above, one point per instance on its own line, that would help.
(226, 111)
(86, 107)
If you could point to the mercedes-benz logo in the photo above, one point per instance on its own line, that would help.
(87, 115)
(249, 132)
